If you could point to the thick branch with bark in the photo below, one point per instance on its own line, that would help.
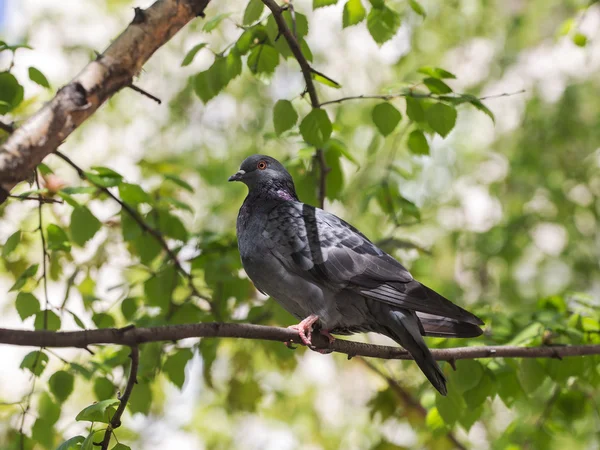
(113, 70)
(132, 336)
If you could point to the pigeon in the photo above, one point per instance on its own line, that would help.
(331, 277)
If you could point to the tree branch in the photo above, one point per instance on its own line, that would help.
(115, 422)
(142, 224)
(307, 72)
(8, 127)
(132, 336)
(113, 70)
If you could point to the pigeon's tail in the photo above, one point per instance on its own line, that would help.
(403, 327)
(444, 327)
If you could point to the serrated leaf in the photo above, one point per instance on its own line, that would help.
(172, 226)
(467, 376)
(141, 399)
(382, 23)
(189, 57)
(441, 118)
(316, 127)
(417, 143)
(24, 277)
(11, 92)
(174, 366)
(61, 385)
(57, 239)
(531, 375)
(98, 412)
(42, 431)
(103, 388)
(386, 117)
(284, 116)
(38, 77)
(299, 28)
(213, 23)
(35, 362)
(209, 83)
(129, 308)
(121, 446)
(84, 225)
(208, 351)
(354, 13)
(11, 243)
(46, 320)
(437, 86)
(103, 320)
(481, 107)
(417, 7)
(48, 408)
(27, 305)
(263, 59)
(253, 11)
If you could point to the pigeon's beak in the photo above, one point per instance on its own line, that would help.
(237, 176)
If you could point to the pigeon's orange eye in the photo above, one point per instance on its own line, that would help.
(262, 165)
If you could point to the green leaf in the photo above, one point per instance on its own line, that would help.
(325, 80)
(84, 225)
(208, 351)
(103, 388)
(284, 116)
(11, 92)
(322, 3)
(417, 143)
(253, 11)
(133, 194)
(316, 127)
(174, 366)
(129, 308)
(301, 26)
(61, 385)
(141, 399)
(483, 389)
(159, 288)
(441, 118)
(104, 177)
(189, 57)
(531, 374)
(263, 59)
(172, 226)
(24, 277)
(243, 395)
(43, 432)
(437, 86)
(27, 305)
(98, 412)
(147, 247)
(386, 117)
(46, 320)
(354, 13)
(103, 320)
(382, 23)
(57, 239)
(209, 83)
(179, 182)
(467, 376)
(72, 444)
(481, 107)
(48, 409)
(450, 406)
(214, 22)
(580, 39)
(11, 243)
(417, 7)
(120, 446)
(436, 72)
(35, 362)
(38, 77)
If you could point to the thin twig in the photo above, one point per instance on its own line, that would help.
(132, 336)
(8, 127)
(144, 93)
(115, 422)
(143, 225)
(310, 85)
(44, 253)
(413, 94)
(408, 399)
(37, 199)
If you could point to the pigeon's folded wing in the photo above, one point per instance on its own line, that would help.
(318, 245)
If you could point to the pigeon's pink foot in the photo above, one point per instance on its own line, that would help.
(304, 328)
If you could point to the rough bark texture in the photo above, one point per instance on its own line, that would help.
(114, 69)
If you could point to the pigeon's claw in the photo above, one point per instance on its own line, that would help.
(328, 336)
(304, 329)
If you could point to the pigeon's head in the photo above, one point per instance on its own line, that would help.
(261, 171)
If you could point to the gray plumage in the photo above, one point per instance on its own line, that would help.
(314, 263)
